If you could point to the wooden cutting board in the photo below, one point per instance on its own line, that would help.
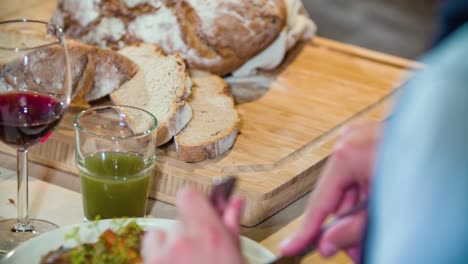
(289, 123)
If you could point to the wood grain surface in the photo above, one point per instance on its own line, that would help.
(274, 240)
(287, 128)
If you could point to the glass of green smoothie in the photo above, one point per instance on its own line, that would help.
(115, 156)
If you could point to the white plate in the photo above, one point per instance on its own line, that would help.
(32, 250)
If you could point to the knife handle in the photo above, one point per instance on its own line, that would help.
(221, 193)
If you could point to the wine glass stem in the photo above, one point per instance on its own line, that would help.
(23, 224)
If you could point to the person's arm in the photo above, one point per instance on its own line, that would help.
(419, 208)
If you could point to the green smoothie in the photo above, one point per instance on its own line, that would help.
(114, 184)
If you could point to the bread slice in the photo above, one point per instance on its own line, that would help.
(215, 122)
(95, 72)
(161, 87)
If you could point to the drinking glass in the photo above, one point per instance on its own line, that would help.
(35, 89)
(115, 156)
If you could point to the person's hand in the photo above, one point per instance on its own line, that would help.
(202, 237)
(344, 182)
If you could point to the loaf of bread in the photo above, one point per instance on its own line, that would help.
(95, 72)
(217, 36)
(215, 122)
(161, 87)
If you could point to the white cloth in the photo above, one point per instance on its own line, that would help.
(299, 27)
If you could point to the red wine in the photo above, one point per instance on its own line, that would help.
(26, 117)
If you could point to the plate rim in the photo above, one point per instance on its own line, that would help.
(140, 220)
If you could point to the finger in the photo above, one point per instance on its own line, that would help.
(233, 213)
(153, 239)
(345, 234)
(196, 212)
(349, 200)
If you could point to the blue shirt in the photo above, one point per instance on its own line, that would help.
(419, 206)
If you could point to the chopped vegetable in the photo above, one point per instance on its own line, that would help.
(121, 246)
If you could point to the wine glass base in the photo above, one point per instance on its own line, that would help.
(9, 238)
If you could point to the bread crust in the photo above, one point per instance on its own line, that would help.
(217, 146)
(167, 130)
(84, 84)
(209, 150)
(218, 40)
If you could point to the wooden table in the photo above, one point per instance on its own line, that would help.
(271, 231)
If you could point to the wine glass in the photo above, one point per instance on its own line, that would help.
(35, 89)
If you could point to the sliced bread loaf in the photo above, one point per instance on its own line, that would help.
(161, 87)
(95, 72)
(215, 122)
